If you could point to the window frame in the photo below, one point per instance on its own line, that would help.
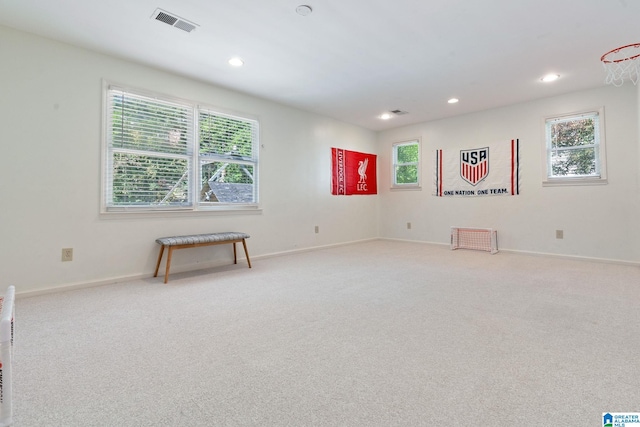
(208, 158)
(394, 164)
(192, 155)
(600, 177)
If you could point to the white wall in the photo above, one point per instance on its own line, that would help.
(598, 221)
(50, 156)
(638, 124)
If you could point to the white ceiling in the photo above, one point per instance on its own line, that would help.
(355, 59)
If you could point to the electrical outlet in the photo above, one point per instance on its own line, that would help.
(317, 229)
(67, 254)
(408, 226)
(559, 234)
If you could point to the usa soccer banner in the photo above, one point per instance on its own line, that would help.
(353, 172)
(492, 170)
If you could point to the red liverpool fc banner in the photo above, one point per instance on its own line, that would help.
(481, 171)
(353, 172)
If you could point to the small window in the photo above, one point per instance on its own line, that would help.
(406, 164)
(575, 149)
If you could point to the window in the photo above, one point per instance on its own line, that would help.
(575, 149)
(406, 164)
(226, 158)
(168, 154)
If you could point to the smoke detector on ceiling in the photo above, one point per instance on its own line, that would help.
(173, 20)
(304, 10)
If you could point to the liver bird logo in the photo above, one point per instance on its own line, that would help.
(362, 170)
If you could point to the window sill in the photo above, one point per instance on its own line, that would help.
(406, 187)
(561, 182)
(175, 213)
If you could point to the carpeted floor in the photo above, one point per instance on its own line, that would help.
(381, 333)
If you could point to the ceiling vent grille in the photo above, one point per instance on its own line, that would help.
(173, 20)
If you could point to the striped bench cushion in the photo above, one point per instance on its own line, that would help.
(201, 238)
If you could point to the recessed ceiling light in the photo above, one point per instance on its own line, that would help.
(304, 10)
(453, 100)
(550, 78)
(236, 62)
(386, 116)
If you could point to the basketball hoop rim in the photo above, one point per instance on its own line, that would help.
(618, 49)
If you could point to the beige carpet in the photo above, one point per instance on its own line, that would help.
(372, 334)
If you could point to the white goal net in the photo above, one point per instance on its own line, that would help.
(480, 239)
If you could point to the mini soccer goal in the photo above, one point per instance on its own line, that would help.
(479, 239)
(7, 304)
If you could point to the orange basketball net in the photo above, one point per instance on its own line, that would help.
(621, 64)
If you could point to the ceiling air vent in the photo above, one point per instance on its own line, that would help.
(399, 112)
(173, 20)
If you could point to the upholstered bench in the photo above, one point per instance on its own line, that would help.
(195, 240)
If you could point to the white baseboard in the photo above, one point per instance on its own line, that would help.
(80, 285)
(176, 269)
(532, 253)
(214, 264)
(573, 257)
(313, 248)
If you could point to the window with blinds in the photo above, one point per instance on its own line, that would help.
(167, 154)
(227, 158)
(575, 148)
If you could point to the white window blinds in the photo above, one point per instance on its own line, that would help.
(228, 158)
(167, 154)
(148, 151)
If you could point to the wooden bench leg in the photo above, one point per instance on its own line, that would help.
(166, 274)
(159, 259)
(244, 244)
(235, 258)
